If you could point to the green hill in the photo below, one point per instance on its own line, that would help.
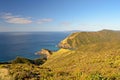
(78, 39)
(90, 56)
(82, 56)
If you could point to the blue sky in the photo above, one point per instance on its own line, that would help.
(59, 15)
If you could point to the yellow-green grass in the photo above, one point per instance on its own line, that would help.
(81, 65)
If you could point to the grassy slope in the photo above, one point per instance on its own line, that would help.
(78, 39)
(98, 58)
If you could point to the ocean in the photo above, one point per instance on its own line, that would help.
(25, 44)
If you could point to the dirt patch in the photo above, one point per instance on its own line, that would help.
(4, 74)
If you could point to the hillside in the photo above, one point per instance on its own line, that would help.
(78, 39)
(82, 56)
(95, 56)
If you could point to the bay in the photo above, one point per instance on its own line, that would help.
(25, 44)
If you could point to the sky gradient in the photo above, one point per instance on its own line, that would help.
(59, 15)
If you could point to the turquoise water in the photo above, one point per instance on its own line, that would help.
(25, 44)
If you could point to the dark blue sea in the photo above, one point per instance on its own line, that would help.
(25, 44)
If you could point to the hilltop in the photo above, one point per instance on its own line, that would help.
(78, 39)
(82, 56)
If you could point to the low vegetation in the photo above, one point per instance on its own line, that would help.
(38, 61)
(96, 57)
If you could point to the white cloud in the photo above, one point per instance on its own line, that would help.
(45, 20)
(9, 18)
(16, 19)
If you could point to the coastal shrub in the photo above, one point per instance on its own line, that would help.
(21, 60)
(39, 61)
(25, 75)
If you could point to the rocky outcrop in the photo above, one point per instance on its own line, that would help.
(68, 42)
(45, 52)
(64, 45)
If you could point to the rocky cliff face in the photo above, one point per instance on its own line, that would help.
(68, 43)
(45, 52)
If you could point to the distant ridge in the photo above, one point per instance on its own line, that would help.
(77, 39)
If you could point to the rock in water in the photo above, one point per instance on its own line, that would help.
(45, 52)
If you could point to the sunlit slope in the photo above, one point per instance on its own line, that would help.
(96, 56)
(78, 39)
